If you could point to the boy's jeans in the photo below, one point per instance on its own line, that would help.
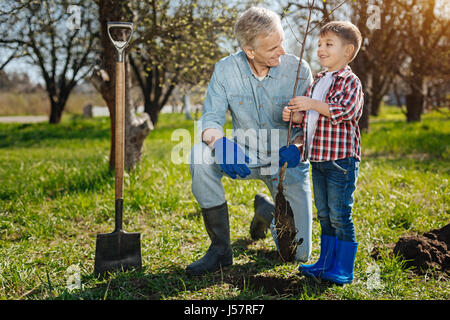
(209, 192)
(334, 183)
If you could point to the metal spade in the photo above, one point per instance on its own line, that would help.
(118, 250)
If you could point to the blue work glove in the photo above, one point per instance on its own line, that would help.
(290, 154)
(231, 158)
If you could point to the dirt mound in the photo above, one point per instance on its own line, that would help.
(430, 250)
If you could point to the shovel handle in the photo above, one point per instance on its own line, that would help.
(119, 146)
(119, 142)
(120, 129)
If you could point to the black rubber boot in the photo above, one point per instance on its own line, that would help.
(219, 253)
(264, 213)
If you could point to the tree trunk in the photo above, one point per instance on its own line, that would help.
(153, 112)
(359, 67)
(56, 110)
(136, 128)
(414, 106)
(365, 117)
(375, 103)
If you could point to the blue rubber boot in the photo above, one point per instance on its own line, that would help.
(342, 270)
(326, 259)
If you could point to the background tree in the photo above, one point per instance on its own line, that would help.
(177, 45)
(381, 54)
(428, 50)
(48, 38)
(403, 39)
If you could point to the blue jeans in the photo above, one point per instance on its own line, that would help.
(209, 192)
(334, 183)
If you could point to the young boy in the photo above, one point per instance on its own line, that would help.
(329, 115)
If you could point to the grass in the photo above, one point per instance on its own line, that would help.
(57, 194)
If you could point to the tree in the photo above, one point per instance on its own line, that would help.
(381, 55)
(428, 52)
(103, 78)
(400, 38)
(48, 37)
(177, 44)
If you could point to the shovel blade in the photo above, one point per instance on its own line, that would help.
(118, 250)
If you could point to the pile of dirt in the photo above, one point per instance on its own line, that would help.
(424, 252)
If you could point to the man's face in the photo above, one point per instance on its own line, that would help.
(268, 50)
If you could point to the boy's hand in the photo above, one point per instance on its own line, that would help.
(297, 117)
(301, 103)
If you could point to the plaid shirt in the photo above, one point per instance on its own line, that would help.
(337, 137)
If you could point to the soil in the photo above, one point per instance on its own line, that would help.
(429, 251)
(285, 226)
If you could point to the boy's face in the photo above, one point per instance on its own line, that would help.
(333, 53)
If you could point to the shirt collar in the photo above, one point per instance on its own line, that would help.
(274, 72)
(342, 73)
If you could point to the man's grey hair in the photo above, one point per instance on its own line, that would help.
(254, 22)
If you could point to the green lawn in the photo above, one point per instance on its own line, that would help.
(56, 194)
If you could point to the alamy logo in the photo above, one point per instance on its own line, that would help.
(260, 145)
(374, 17)
(74, 21)
(73, 278)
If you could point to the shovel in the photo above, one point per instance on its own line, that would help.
(118, 250)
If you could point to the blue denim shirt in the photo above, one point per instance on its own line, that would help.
(255, 106)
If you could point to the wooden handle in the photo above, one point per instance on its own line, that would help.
(120, 129)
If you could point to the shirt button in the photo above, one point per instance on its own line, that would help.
(259, 85)
(260, 106)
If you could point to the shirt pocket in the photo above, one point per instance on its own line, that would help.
(279, 102)
(242, 107)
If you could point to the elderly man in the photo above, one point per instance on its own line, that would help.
(254, 84)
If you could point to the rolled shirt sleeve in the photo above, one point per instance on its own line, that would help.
(344, 105)
(215, 105)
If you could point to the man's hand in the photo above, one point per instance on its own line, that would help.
(290, 154)
(231, 158)
(297, 116)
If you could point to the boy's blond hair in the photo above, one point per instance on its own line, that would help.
(346, 31)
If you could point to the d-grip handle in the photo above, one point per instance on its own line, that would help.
(119, 44)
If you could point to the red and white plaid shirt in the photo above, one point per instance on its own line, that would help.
(337, 137)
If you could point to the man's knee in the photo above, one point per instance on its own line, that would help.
(200, 156)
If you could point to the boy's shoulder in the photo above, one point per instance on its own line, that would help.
(346, 73)
(346, 79)
(348, 76)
